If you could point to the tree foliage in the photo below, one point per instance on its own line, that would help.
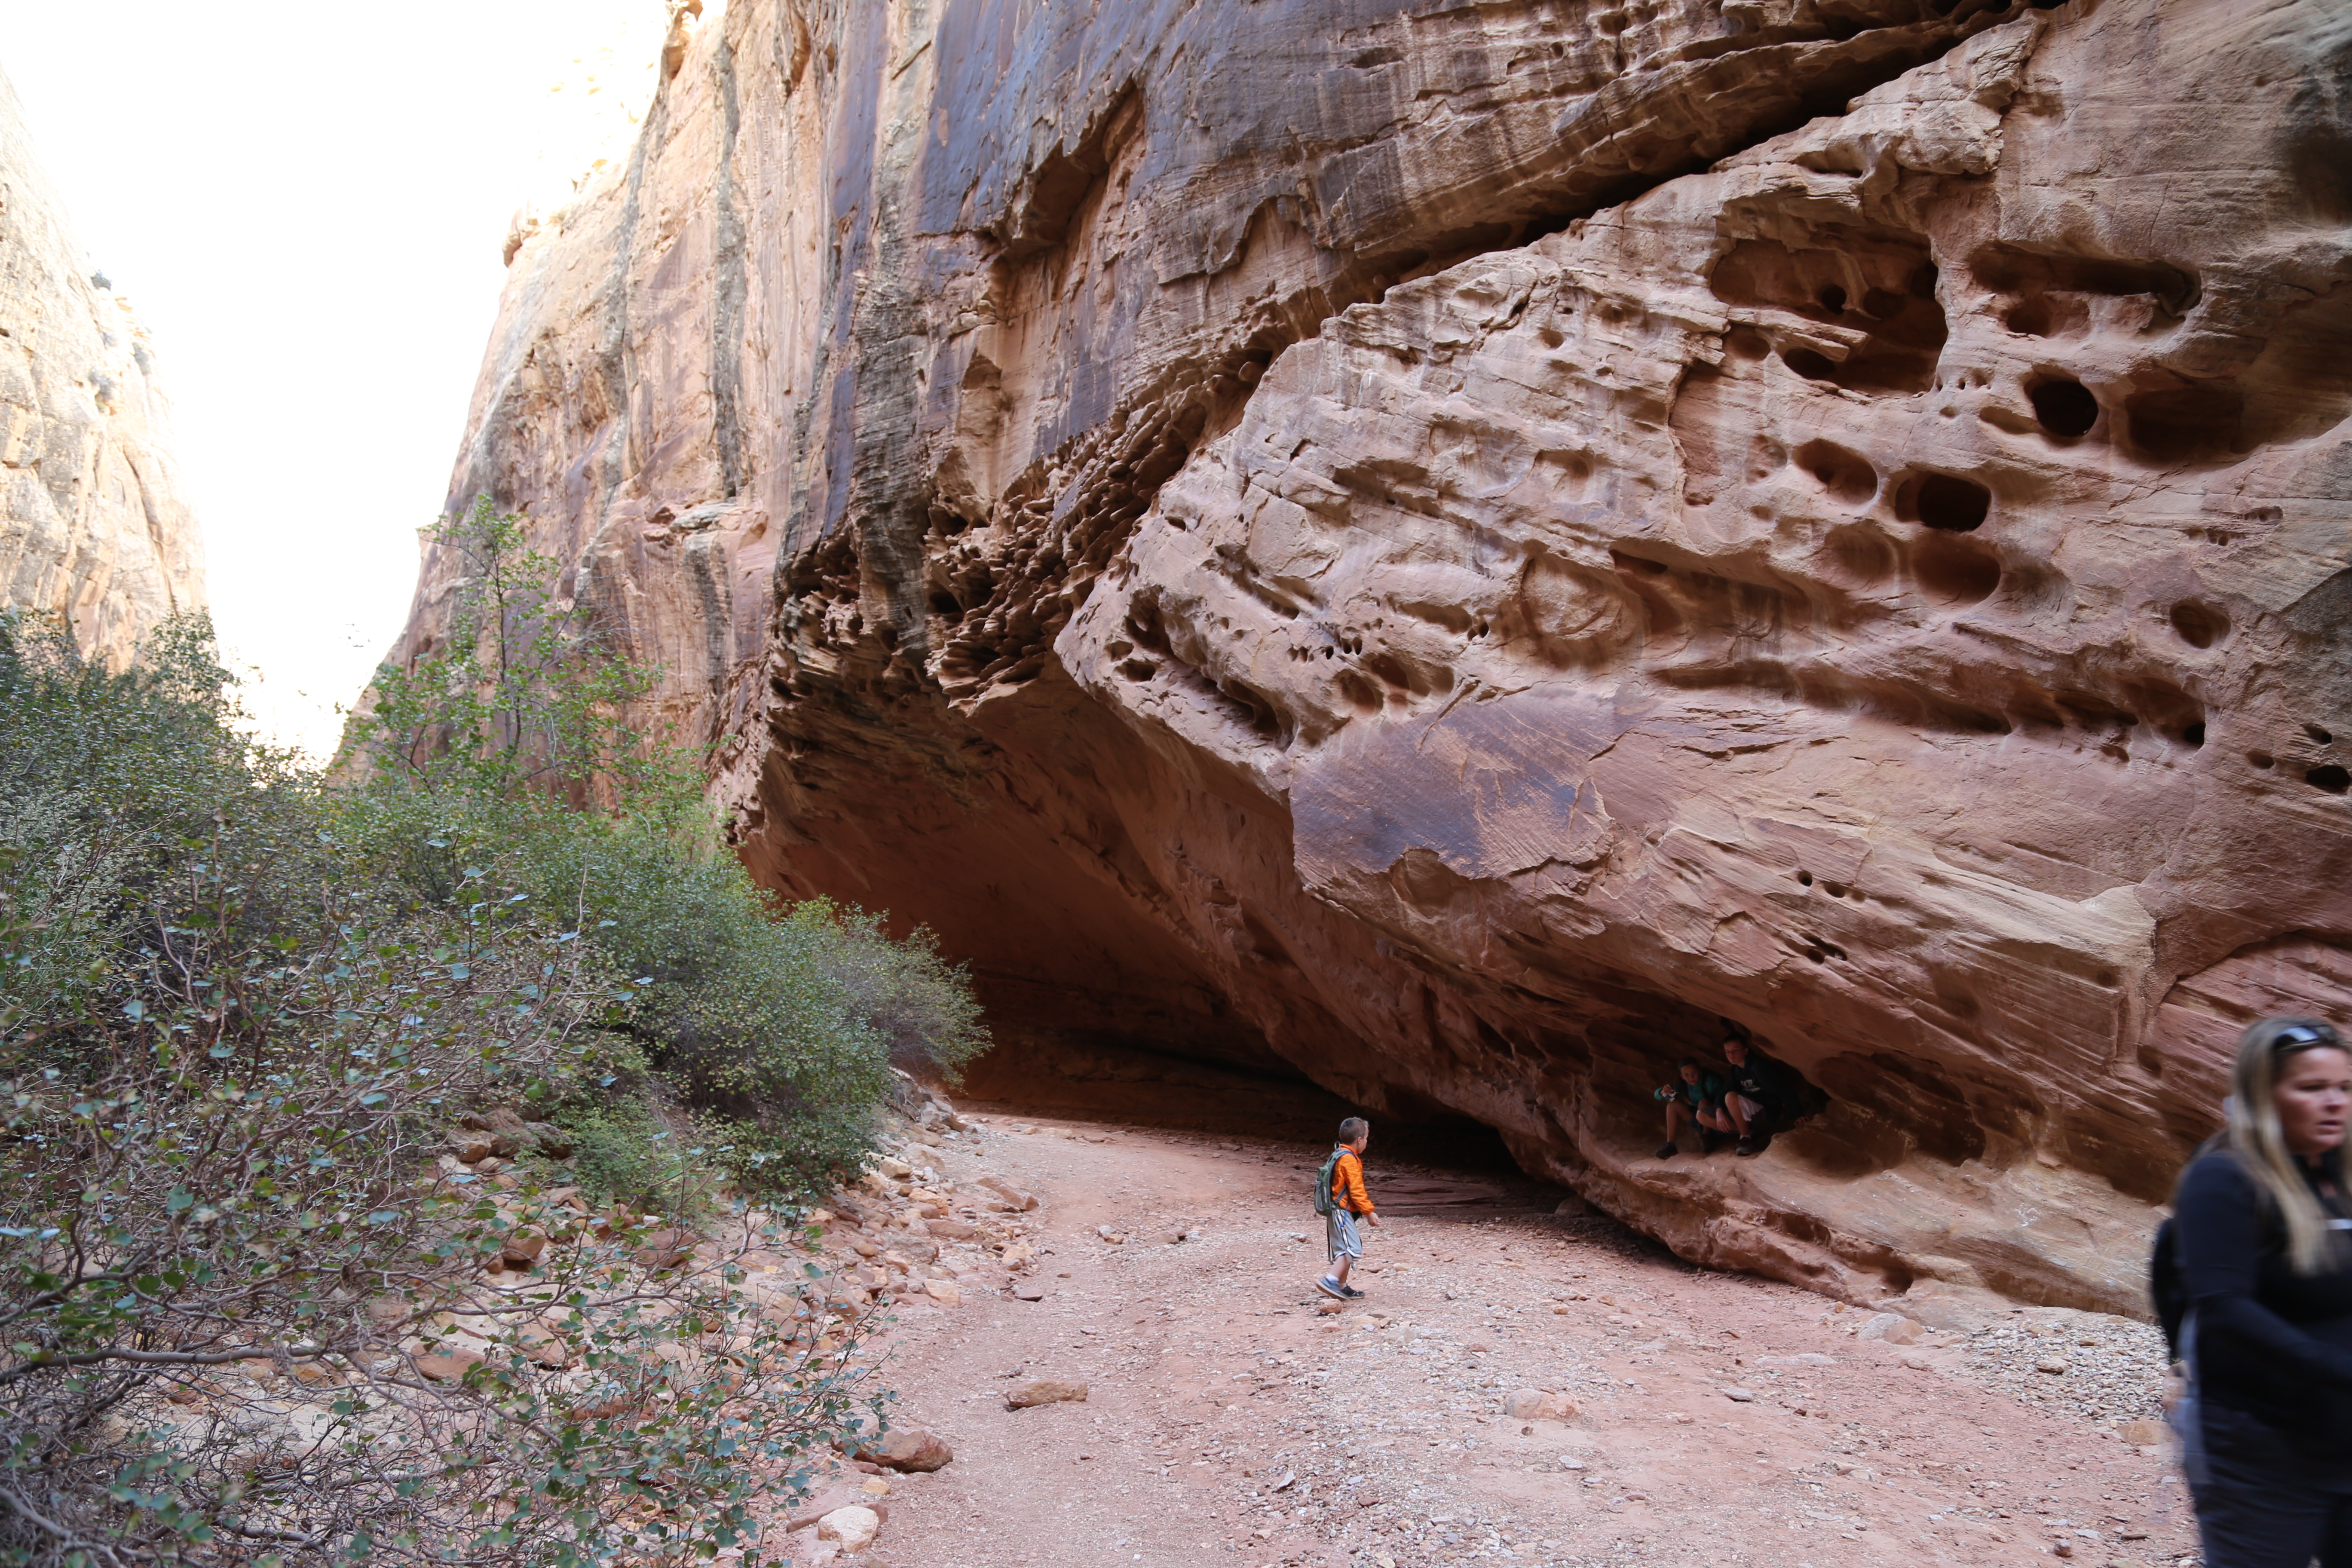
(773, 1029)
(255, 1307)
(524, 694)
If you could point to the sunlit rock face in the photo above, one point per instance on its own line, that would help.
(1455, 552)
(94, 527)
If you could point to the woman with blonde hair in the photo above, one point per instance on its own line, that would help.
(2261, 1224)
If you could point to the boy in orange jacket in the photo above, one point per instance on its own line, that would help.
(1350, 1202)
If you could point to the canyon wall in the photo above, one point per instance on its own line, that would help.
(94, 527)
(1455, 552)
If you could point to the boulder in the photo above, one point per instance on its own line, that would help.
(1539, 1404)
(446, 1366)
(545, 1344)
(1015, 1198)
(474, 1145)
(665, 1248)
(522, 1249)
(906, 1448)
(853, 1528)
(1892, 1326)
(548, 1139)
(1046, 1391)
(830, 1497)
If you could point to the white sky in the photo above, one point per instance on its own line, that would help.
(306, 204)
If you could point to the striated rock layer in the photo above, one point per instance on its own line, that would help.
(93, 525)
(1446, 551)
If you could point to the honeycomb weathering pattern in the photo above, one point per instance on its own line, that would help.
(1448, 552)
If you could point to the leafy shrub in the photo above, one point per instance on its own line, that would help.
(920, 1005)
(108, 783)
(248, 1318)
(776, 1028)
(629, 1148)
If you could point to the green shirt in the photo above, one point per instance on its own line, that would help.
(1706, 1091)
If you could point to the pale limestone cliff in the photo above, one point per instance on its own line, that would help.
(1457, 552)
(94, 526)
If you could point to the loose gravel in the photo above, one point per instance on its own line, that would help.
(1671, 1418)
(2114, 1368)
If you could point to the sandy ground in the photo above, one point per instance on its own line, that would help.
(1231, 1421)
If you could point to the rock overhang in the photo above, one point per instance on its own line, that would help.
(1465, 625)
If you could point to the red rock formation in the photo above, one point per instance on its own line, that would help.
(93, 526)
(1446, 550)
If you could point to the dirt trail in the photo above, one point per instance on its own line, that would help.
(1231, 1421)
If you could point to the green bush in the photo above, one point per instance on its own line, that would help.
(241, 1003)
(115, 790)
(775, 1028)
(920, 1005)
(234, 1028)
(624, 1156)
(629, 1147)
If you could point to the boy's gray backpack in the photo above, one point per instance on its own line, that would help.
(1323, 1204)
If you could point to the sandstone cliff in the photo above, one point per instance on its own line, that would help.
(1450, 550)
(93, 525)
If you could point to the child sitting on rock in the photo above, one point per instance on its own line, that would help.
(1760, 1101)
(1350, 1200)
(1696, 1101)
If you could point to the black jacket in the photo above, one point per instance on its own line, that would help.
(1763, 1081)
(2269, 1342)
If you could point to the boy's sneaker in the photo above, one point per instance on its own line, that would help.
(1667, 1151)
(1351, 1293)
(1331, 1288)
(1748, 1146)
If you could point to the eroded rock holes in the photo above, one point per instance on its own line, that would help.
(1861, 553)
(1944, 501)
(1881, 283)
(2055, 294)
(1954, 573)
(2065, 409)
(1847, 476)
(2197, 624)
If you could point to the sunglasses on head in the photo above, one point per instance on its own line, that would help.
(2300, 1036)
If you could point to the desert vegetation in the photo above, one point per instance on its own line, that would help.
(383, 1145)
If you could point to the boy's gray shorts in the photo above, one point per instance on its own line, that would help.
(1344, 1240)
